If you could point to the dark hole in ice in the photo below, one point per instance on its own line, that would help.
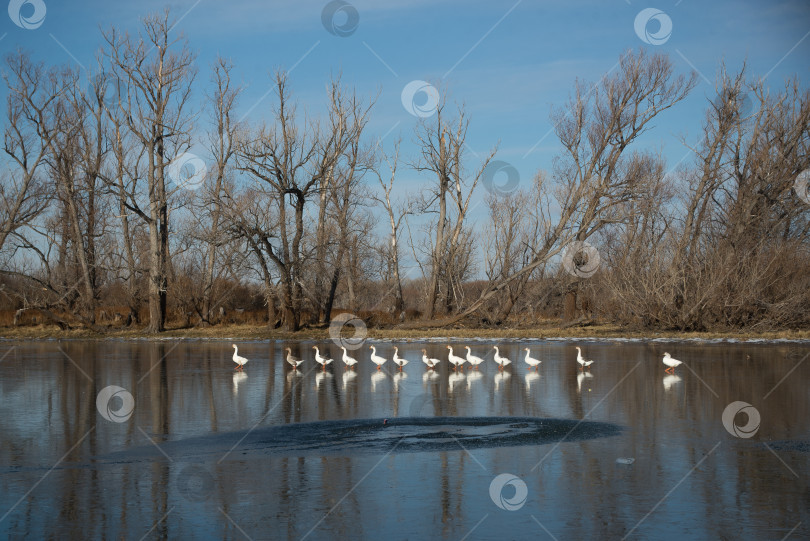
(370, 436)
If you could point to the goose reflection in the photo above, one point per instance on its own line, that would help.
(456, 378)
(473, 376)
(319, 377)
(398, 377)
(531, 377)
(670, 380)
(293, 376)
(238, 378)
(501, 377)
(376, 379)
(429, 375)
(348, 377)
(581, 376)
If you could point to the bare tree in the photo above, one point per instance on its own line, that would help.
(249, 219)
(75, 162)
(635, 251)
(595, 129)
(27, 138)
(159, 86)
(442, 147)
(742, 219)
(36, 110)
(281, 156)
(346, 197)
(293, 162)
(347, 121)
(518, 222)
(222, 144)
(726, 256)
(126, 158)
(90, 220)
(397, 212)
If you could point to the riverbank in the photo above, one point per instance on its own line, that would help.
(258, 332)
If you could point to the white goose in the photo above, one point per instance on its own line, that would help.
(376, 359)
(430, 362)
(348, 361)
(581, 360)
(321, 360)
(240, 361)
(293, 361)
(456, 361)
(531, 361)
(472, 359)
(671, 363)
(501, 360)
(400, 362)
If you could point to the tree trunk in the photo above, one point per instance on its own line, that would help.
(570, 303)
(132, 286)
(291, 313)
(507, 307)
(330, 299)
(320, 256)
(208, 280)
(352, 266)
(156, 322)
(433, 289)
(157, 250)
(272, 312)
(79, 248)
(223, 103)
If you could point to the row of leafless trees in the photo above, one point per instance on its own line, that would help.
(726, 244)
(104, 207)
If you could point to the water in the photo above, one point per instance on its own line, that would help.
(209, 452)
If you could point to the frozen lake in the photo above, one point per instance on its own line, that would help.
(186, 447)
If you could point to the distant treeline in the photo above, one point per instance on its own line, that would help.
(108, 219)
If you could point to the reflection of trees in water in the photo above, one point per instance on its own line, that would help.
(49, 405)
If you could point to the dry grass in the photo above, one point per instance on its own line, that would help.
(255, 332)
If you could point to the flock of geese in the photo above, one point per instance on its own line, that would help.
(432, 363)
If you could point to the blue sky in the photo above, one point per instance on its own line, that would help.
(508, 61)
